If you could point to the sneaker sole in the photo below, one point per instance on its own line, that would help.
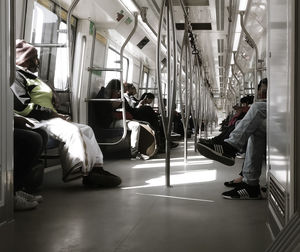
(211, 154)
(103, 181)
(243, 198)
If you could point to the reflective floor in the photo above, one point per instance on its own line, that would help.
(144, 215)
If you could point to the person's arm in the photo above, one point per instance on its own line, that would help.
(21, 122)
(142, 102)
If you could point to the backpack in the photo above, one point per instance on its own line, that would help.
(147, 141)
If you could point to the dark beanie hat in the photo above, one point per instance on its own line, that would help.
(25, 53)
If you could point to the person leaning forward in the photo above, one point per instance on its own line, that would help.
(81, 155)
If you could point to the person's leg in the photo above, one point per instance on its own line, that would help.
(248, 125)
(28, 146)
(225, 152)
(134, 127)
(80, 152)
(255, 151)
(135, 133)
(249, 188)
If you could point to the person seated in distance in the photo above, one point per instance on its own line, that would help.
(251, 130)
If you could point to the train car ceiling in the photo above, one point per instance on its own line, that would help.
(216, 29)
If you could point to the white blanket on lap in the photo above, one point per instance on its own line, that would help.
(80, 152)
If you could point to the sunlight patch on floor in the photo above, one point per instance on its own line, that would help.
(177, 158)
(188, 177)
(172, 164)
(174, 197)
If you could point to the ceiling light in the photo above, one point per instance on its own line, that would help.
(236, 41)
(243, 5)
(129, 5)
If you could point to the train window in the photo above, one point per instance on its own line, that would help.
(144, 83)
(145, 77)
(113, 57)
(48, 34)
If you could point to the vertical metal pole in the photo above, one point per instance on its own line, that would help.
(167, 162)
(256, 52)
(121, 73)
(167, 119)
(238, 81)
(69, 38)
(174, 67)
(91, 62)
(186, 99)
(161, 103)
(239, 67)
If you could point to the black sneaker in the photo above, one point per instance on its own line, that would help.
(99, 177)
(205, 141)
(223, 152)
(173, 145)
(231, 183)
(243, 192)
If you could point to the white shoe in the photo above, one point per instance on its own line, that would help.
(21, 204)
(30, 197)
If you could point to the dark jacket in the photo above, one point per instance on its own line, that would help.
(22, 98)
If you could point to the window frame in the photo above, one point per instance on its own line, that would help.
(61, 14)
(124, 58)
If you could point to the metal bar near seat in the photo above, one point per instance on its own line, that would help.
(49, 45)
(253, 44)
(102, 100)
(92, 68)
(239, 83)
(239, 67)
(184, 107)
(69, 51)
(195, 110)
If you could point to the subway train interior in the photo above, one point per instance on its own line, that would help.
(111, 179)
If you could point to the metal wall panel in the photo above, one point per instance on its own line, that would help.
(6, 113)
(280, 100)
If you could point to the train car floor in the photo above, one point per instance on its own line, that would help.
(143, 215)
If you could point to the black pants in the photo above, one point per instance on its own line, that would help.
(28, 146)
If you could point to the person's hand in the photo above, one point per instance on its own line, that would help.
(142, 102)
(22, 123)
(64, 117)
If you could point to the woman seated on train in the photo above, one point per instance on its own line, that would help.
(80, 155)
(129, 95)
(144, 112)
(137, 109)
(109, 117)
(146, 99)
(240, 112)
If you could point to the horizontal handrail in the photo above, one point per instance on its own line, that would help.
(48, 45)
(105, 69)
(101, 100)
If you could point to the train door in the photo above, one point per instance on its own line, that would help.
(6, 115)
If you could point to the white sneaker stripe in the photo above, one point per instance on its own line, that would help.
(218, 148)
(243, 193)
